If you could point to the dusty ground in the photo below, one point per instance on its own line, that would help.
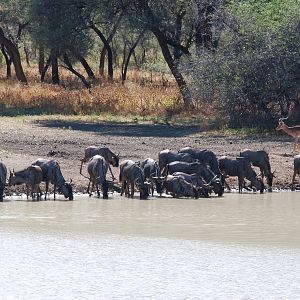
(24, 139)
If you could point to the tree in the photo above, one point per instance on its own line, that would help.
(171, 22)
(61, 29)
(254, 74)
(13, 21)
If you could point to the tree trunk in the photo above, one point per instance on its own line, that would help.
(14, 54)
(131, 51)
(109, 39)
(8, 62)
(54, 65)
(45, 68)
(27, 56)
(183, 87)
(41, 59)
(108, 49)
(102, 61)
(86, 66)
(71, 69)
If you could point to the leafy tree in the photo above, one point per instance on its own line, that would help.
(13, 20)
(61, 28)
(254, 74)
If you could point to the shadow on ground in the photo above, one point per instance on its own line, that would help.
(123, 129)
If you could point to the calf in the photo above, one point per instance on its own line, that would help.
(151, 171)
(52, 173)
(201, 170)
(260, 159)
(178, 187)
(31, 177)
(167, 156)
(132, 174)
(3, 175)
(241, 168)
(196, 181)
(97, 169)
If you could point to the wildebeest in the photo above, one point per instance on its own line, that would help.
(296, 170)
(200, 169)
(241, 168)
(52, 173)
(3, 175)
(151, 171)
(97, 169)
(109, 156)
(178, 187)
(260, 159)
(196, 181)
(167, 156)
(132, 174)
(205, 157)
(31, 177)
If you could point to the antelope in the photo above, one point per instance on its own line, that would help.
(293, 131)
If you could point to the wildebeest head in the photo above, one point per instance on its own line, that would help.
(67, 190)
(144, 190)
(217, 186)
(158, 181)
(12, 179)
(115, 160)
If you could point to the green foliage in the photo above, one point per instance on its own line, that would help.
(255, 74)
(60, 24)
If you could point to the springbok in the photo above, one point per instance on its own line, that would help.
(293, 131)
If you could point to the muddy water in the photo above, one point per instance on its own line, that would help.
(234, 247)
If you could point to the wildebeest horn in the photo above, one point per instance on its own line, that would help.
(212, 179)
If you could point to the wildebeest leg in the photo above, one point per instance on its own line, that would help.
(82, 161)
(88, 189)
(123, 187)
(54, 191)
(97, 189)
(227, 185)
(132, 189)
(112, 175)
(92, 188)
(27, 191)
(241, 184)
(293, 180)
(47, 188)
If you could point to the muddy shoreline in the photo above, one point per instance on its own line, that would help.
(24, 139)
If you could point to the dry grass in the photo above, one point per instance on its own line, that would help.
(143, 94)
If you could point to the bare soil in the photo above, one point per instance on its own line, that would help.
(24, 139)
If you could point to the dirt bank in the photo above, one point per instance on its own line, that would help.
(24, 139)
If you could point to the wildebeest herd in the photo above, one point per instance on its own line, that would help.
(188, 172)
